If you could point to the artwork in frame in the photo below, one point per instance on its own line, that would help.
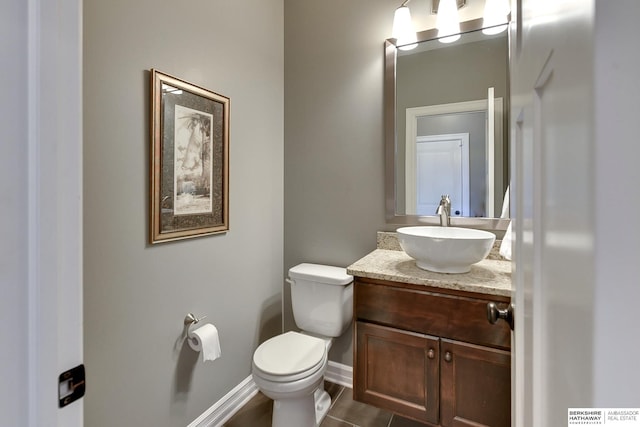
(189, 160)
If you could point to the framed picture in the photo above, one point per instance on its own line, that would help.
(189, 160)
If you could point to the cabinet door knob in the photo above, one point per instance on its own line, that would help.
(431, 353)
(448, 357)
(494, 314)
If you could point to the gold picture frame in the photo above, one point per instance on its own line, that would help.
(189, 160)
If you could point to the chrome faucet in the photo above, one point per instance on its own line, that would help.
(444, 211)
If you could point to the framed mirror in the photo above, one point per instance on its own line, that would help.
(446, 129)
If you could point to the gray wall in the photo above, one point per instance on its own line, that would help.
(334, 148)
(136, 295)
(455, 73)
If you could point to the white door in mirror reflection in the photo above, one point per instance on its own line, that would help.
(441, 166)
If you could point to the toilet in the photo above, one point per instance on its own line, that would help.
(289, 368)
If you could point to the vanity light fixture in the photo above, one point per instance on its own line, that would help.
(448, 21)
(496, 16)
(403, 30)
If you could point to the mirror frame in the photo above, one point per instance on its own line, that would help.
(390, 137)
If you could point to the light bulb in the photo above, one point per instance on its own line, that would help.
(448, 21)
(496, 16)
(403, 30)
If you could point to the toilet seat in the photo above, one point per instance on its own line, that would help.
(289, 357)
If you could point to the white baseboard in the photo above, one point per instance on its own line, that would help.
(225, 408)
(339, 374)
(221, 411)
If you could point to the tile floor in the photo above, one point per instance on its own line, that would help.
(344, 412)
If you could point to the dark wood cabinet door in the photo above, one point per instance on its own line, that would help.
(475, 385)
(398, 371)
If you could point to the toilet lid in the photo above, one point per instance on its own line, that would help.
(289, 353)
(321, 273)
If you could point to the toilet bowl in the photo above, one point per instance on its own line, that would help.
(289, 368)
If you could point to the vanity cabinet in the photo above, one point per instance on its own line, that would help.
(430, 354)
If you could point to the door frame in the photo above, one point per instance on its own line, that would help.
(495, 145)
(54, 191)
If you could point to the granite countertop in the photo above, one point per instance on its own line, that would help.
(491, 276)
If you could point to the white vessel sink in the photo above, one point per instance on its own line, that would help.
(445, 249)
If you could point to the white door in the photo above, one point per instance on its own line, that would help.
(41, 302)
(440, 166)
(552, 194)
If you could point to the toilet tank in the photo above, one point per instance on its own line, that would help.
(321, 298)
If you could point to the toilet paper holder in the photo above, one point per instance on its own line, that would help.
(189, 320)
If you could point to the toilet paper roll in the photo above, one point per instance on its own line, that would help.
(206, 341)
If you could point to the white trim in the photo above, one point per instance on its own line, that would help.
(221, 411)
(33, 235)
(490, 154)
(339, 374)
(225, 408)
(54, 236)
